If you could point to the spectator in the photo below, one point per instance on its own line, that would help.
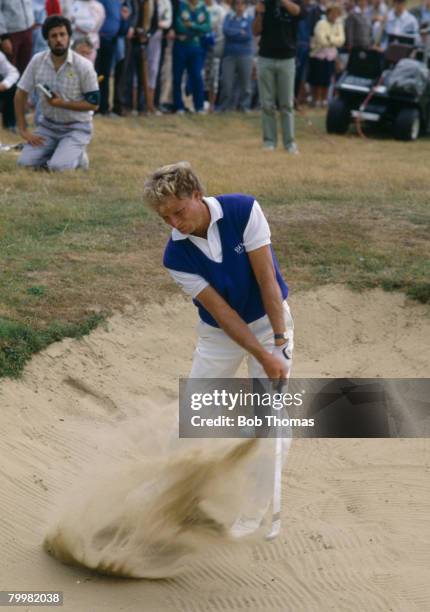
(84, 47)
(16, 23)
(328, 37)
(9, 75)
(276, 21)
(358, 30)
(238, 58)
(376, 11)
(213, 56)
(191, 22)
(422, 14)
(119, 59)
(399, 22)
(114, 25)
(166, 71)
(164, 18)
(38, 42)
(59, 142)
(144, 22)
(165, 56)
(87, 17)
(226, 6)
(317, 11)
(162, 21)
(304, 33)
(66, 7)
(53, 7)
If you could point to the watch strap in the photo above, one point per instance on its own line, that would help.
(283, 336)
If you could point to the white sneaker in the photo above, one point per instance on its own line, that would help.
(269, 147)
(292, 149)
(84, 162)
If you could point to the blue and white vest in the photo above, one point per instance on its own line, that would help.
(233, 278)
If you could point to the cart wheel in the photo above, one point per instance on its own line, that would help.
(407, 124)
(338, 117)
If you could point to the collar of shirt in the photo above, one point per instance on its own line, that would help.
(215, 212)
(69, 58)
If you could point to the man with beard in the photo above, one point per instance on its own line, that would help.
(70, 95)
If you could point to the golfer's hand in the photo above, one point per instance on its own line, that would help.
(32, 139)
(274, 366)
(284, 352)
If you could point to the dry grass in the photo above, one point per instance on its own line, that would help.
(346, 210)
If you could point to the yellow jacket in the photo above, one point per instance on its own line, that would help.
(327, 35)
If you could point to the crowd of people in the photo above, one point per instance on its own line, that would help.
(205, 55)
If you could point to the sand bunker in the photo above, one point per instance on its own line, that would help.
(355, 530)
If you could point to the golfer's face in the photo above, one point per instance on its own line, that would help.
(182, 214)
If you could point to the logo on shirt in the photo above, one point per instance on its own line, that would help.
(240, 248)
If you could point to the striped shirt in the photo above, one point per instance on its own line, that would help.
(74, 78)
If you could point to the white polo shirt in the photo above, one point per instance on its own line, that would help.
(255, 236)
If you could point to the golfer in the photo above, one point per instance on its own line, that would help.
(220, 254)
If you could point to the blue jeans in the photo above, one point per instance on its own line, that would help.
(190, 58)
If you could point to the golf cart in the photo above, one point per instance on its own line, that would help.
(370, 91)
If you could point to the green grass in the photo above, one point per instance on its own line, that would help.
(18, 342)
(347, 210)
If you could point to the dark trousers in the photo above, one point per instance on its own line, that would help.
(22, 44)
(119, 87)
(6, 104)
(190, 58)
(134, 71)
(103, 67)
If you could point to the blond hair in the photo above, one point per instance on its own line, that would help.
(333, 7)
(175, 180)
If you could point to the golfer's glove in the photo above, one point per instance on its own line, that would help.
(284, 352)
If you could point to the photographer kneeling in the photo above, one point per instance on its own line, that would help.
(276, 22)
(69, 92)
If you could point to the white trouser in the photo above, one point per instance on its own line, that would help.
(218, 356)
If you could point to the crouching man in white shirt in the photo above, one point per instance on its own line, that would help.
(69, 96)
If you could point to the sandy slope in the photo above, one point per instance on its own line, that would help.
(356, 533)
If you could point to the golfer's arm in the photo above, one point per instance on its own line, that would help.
(20, 103)
(229, 320)
(262, 265)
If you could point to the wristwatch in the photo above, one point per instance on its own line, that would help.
(283, 336)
